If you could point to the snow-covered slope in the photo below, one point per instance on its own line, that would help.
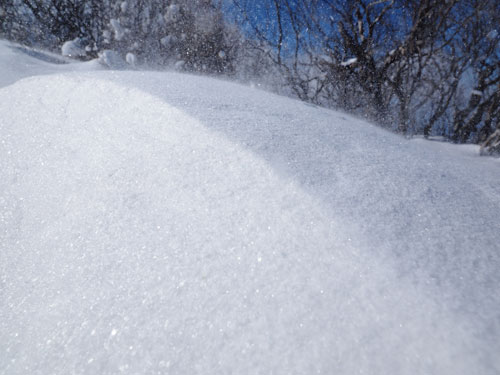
(17, 61)
(166, 223)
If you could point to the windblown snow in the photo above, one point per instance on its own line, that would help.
(173, 224)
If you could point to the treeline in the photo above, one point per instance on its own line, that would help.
(416, 66)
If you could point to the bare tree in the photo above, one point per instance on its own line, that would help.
(480, 46)
(401, 62)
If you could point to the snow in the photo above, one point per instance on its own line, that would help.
(167, 40)
(106, 34)
(349, 62)
(492, 34)
(17, 62)
(179, 64)
(167, 223)
(131, 59)
(173, 12)
(124, 6)
(73, 48)
(206, 21)
(118, 30)
(113, 59)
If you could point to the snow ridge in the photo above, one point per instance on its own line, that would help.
(157, 222)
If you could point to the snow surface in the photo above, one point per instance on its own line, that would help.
(166, 223)
(17, 62)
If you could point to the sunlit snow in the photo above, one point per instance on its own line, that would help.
(167, 223)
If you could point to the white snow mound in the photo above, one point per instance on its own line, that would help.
(162, 223)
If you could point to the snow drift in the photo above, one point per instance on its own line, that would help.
(164, 223)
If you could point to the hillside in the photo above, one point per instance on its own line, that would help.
(155, 222)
